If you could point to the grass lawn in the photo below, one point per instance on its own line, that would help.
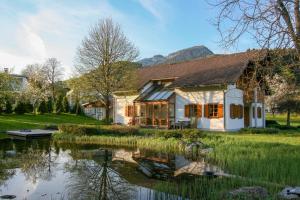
(30, 121)
(281, 119)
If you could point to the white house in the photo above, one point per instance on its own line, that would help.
(215, 93)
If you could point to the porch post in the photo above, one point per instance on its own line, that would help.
(168, 125)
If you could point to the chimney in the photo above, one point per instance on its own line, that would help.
(6, 70)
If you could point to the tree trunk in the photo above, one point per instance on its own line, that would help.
(107, 105)
(288, 119)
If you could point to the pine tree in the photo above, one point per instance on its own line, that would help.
(43, 107)
(20, 108)
(59, 105)
(50, 105)
(77, 108)
(8, 107)
(66, 106)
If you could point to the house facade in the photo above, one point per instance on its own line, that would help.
(213, 93)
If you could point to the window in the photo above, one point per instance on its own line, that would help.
(213, 110)
(236, 111)
(193, 110)
(259, 112)
(129, 110)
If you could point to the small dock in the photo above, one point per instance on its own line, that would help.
(31, 133)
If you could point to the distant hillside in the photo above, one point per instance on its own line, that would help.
(178, 56)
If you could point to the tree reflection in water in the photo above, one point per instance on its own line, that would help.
(95, 179)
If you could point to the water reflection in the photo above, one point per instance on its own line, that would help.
(41, 169)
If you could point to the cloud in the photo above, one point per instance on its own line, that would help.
(158, 8)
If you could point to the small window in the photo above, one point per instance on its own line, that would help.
(212, 110)
(129, 111)
(259, 112)
(193, 110)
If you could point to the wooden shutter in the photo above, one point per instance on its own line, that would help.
(199, 110)
(241, 111)
(220, 110)
(126, 111)
(253, 110)
(187, 110)
(232, 107)
(206, 111)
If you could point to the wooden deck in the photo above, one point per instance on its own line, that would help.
(31, 133)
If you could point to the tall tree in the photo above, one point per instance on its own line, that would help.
(37, 88)
(99, 58)
(272, 23)
(53, 72)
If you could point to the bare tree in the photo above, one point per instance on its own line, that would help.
(272, 23)
(53, 72)
(98, 58)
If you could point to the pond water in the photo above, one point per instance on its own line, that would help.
(42, 169)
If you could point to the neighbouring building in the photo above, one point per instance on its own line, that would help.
(18, 82)
(222, 93)
(94, 109)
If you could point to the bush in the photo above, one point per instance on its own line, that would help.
(28, 107)
(260, 130)
(271, 123)
(65, 104)
(50, 105)
(59, 105)
(20, 108)
(51, 127)
(77, 129)
(42, 107)
(8, 107)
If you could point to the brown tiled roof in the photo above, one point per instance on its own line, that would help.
(219, 69)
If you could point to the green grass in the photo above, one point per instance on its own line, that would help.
(281, 119)
(30, 121)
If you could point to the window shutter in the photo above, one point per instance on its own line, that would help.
(206, 110)
(241, 111)
(232, 106)
(187, 111)
(126, 111)
(199, 110)
(220, 110)
(253, 110)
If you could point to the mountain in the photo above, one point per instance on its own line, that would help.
(178, 56)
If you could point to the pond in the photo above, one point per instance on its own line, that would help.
(42, 169)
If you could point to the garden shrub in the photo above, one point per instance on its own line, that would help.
(271, 123)
(260, 130)
(20, 108)
(118, 130)
(8, 107)
(42, 107)
(77, 129)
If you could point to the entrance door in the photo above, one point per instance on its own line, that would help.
(246, 117)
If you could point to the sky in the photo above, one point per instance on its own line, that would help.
(34, 30)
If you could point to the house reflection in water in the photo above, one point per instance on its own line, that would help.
(165, 166)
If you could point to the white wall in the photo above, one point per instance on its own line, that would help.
(259, 122)
(95, 112)
(120, 103)
(233, 96)
(200, 97)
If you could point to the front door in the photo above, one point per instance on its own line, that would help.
(246, 117)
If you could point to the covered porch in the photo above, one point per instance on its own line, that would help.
(157, 110)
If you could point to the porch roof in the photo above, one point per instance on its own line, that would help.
(160, 94)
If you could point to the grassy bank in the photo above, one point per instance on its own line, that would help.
(30, 121)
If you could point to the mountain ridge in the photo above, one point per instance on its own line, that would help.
(191, 53)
